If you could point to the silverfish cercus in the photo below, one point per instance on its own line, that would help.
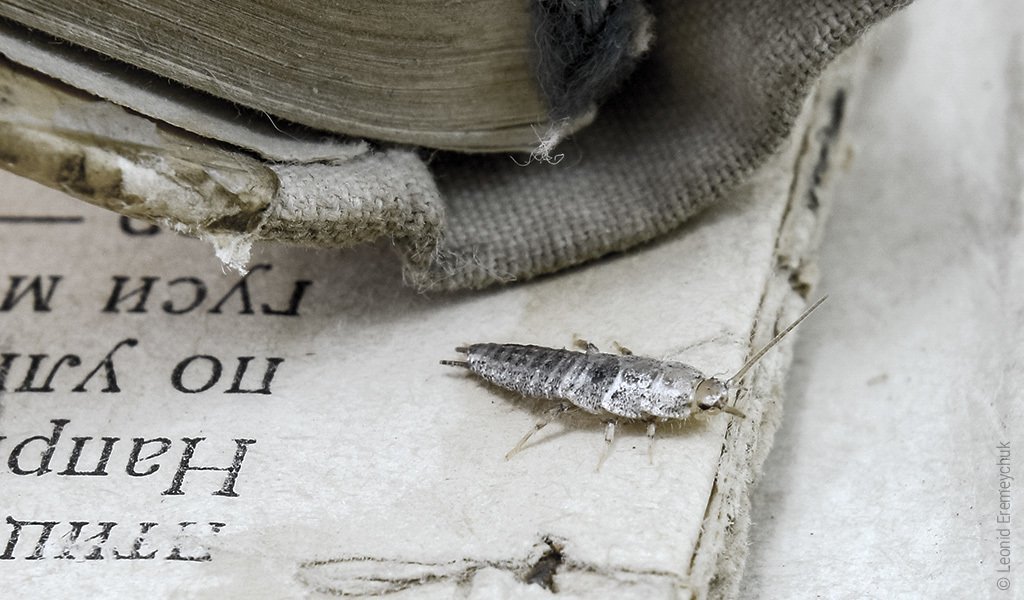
(612, 386)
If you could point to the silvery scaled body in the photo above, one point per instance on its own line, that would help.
(612, 386)
(632, 387)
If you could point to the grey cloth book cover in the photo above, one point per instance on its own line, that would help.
(719, 89)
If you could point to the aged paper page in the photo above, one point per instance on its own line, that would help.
(897, 471)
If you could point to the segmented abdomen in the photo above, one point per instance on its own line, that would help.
(628, 386)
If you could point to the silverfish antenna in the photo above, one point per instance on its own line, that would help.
(750, 363)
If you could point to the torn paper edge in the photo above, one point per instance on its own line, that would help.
(722, 550)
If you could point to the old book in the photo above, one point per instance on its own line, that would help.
(716, 95)
(477, 75)
(170, 430)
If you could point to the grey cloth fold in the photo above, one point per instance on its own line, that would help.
(719, 92)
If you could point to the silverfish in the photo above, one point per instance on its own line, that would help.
(613, 386)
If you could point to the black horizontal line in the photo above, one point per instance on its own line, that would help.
(39, 219)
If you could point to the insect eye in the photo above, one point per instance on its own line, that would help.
(709, 393)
